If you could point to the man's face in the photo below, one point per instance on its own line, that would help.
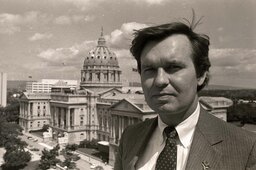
(169, 78)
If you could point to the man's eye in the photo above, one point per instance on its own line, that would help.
(148, 69)
(172, 69)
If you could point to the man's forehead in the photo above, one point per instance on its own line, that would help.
(177, 43)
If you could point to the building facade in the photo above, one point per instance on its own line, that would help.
(45, 85)
(124, 113)
(3, 89)
(34, 111)
(216, 106)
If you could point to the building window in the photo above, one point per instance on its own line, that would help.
(38, 124)
(81, 121)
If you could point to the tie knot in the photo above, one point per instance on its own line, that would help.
(170, 132)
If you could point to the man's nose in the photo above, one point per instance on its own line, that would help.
(162, 78)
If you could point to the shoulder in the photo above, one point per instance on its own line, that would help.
(229, 131)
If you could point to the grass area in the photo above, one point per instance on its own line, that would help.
(32, 165)
(94, 153)
(89, 151)
(38, 133)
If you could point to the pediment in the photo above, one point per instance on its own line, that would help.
(125, 105)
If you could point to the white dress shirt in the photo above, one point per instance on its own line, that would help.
(156, 143)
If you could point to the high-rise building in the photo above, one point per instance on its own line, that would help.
(3, 89)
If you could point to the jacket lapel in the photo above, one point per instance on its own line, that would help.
(204, 153)
(142, 137)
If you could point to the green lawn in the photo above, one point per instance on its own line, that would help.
(32, 165)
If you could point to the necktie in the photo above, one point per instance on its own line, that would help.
(167, 159)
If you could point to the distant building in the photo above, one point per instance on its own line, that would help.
(34, 111)
(3, 89)
(45, 85)
(216, 105)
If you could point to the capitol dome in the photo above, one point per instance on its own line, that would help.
(101, 68)
(101, 55)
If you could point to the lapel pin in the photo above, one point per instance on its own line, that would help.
(205, 165)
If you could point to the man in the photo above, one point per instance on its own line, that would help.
(173, 63)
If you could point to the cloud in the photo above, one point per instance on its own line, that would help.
(84, 5)
(39, 36)
(67, 20)
(72, 56)
(89, 18)
(233, 62)
(121, 38)
(63, 20)
(11, 23)
(151, 2)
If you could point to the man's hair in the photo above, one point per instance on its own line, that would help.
(200, 45)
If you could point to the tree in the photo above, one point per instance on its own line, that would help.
(72, 147)
(15, 144)
(8, 131)
(11, 111)
(45, 128)
(69, 163)
(48, 158)
(16, 159)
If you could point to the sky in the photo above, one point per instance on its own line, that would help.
(50, 38)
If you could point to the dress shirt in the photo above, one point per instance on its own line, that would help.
(156, 143)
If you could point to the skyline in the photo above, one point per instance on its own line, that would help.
(50, 39)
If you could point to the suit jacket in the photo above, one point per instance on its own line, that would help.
(216, 145)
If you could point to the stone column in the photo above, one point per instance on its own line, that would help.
(109, 76)
(68, 119)
(62, 117)
(101, 77)
(58, 116)
(28, 113)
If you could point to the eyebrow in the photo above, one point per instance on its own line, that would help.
(168, 63)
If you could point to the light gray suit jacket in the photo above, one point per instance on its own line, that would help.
(216, 145)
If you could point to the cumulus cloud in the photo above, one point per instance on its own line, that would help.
(121, 38)
(72, 56)
(233, 62)
(39, 36)
(12, 23)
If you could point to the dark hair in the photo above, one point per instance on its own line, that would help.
(200, 45)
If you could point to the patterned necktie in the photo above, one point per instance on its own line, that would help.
(167, 159)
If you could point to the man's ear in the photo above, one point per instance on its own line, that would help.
(200, 80)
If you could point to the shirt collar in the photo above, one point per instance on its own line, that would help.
(185, 129)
